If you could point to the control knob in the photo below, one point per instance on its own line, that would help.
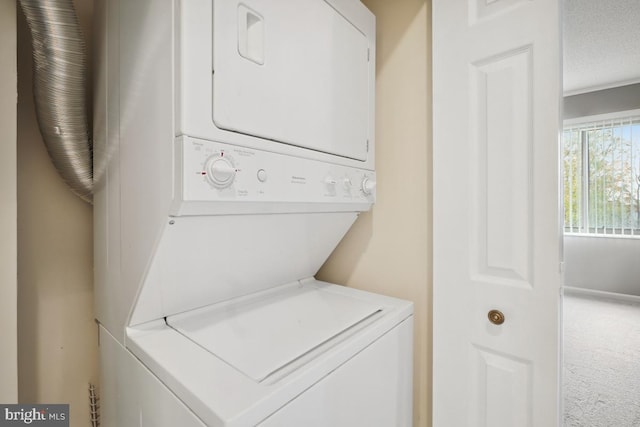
(220, 171)
(330, 181)
(368, 186)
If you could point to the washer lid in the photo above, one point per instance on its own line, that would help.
(258, 336)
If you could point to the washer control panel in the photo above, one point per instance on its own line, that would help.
(212, 171)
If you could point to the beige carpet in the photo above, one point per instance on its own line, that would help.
(601, 363)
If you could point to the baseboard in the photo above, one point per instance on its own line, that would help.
(570, 290)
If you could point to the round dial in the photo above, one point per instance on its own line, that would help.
(220, 171)
(368, 186)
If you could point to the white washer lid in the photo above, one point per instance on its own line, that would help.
(260, 336)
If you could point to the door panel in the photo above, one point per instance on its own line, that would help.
(496, 76)
(500, 126)
(503, 387)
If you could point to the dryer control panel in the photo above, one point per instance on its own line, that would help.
(217, 178)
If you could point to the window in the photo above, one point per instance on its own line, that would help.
(601, 161)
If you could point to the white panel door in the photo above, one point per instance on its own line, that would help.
(496, 77)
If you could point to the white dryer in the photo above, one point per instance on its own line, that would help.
(233, 150)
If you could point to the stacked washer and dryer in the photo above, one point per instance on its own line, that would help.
(234, 148)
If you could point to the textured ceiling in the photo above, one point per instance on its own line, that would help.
(601, 44)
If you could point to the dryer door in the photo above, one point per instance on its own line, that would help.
(293, 72)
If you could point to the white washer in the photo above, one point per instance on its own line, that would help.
(233, 150)
(304, 354)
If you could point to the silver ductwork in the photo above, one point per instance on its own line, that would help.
(59, 87)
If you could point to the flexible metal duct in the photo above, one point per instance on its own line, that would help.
(59, 87)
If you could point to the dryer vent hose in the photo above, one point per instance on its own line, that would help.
(59, 88)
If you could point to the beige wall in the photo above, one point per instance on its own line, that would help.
(57, 334)
(389, 249)
(8, 244)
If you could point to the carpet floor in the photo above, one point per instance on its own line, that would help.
(601, 363)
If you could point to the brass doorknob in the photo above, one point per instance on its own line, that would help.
(496, 317)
